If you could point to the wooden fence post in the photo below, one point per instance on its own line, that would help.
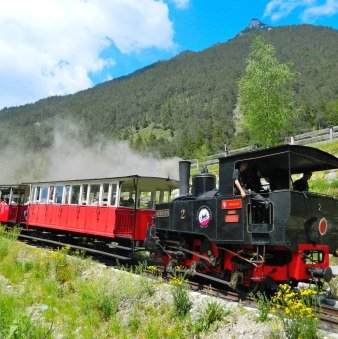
(225, 150)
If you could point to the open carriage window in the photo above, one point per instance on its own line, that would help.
(84, 194)
(127, 197)
(162, 196)
(105, 194)
(44, 194)
(145, 200)
(58, 194)
(36, 194)
(65, 197)
(113, 194)
(94, 194)
(74, 199)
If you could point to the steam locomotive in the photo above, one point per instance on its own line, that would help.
(207, 231)
(220, 236)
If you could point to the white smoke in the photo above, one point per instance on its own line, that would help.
(70, 157)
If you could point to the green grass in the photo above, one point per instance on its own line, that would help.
(45, 294)
(330, 147)
(157, 131)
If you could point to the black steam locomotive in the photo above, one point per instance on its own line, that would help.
(216, 234)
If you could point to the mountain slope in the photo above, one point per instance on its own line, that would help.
(192, 96)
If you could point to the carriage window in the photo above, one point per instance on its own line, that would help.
(51, 194)
(58, 194)
(94, 193)
(166, 196)
(127, 198)
(14, 200)
(113, 194)
(105, 192)
(158, 197)
(65, 198)
(75, 194)
(44, 194)
(36, 194)
(84, 194)
(145, 200)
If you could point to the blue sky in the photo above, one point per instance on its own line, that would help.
(57, 47)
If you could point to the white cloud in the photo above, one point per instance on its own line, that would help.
(181, 4)
(329, 8)
(311, 9)
(49, 47)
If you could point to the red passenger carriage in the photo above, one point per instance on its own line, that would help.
(110, 208)
(14, 203)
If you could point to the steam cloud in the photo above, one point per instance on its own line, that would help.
(70, 157)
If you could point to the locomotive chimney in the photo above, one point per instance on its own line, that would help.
(184, 172)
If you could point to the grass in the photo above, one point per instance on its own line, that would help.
(330, 147)
(46, 294)
(156, 130)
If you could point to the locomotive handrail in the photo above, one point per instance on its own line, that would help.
(239, 256)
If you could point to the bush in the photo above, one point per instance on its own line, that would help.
(180, 294)
(213, 314)
(297, 312)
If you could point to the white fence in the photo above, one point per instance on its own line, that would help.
(327, 134)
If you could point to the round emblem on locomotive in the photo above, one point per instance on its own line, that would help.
(204, 216)
(322, 226)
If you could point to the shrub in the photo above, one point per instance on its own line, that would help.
(297, 312)
(213, 314)
(180, 294)
(263, 306)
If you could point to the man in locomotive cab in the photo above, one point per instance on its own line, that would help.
(302, 183)
(241, 186)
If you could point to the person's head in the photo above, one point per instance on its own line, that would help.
(243, 165)
(95, 199)
(307, 175)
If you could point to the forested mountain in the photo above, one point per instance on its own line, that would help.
(175, 107)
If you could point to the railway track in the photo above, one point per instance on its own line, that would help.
(328, 315)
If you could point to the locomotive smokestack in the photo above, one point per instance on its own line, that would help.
(184, 169)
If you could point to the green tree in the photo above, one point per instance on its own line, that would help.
(266, 100)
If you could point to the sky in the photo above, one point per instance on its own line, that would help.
(59, 47)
